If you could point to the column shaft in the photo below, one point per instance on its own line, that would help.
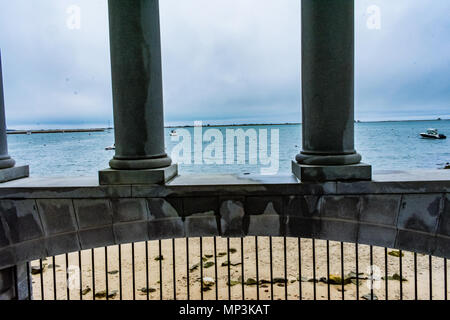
(5, 159)
(137, 85)
(328, 83)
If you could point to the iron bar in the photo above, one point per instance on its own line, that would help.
(271, 269)
(133, 271)
(357, 270)
(147, 282)
(120, 273)
(174, 271)
(188, 269)
(93, 273)
(285, 270)
(257, 267)
(55, 294)
(215, 269)
(160, 271)
(201, 268)
(299, 245)
(401, 275)
(314, 267)
(67, 277)
(242, 268)
(106, 273)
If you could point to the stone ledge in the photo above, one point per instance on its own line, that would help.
(133, 177)
(14, 173)
(310, 173)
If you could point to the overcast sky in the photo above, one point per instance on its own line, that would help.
(224, 61)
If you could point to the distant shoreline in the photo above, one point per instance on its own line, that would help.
(41, 131)
(56, 131)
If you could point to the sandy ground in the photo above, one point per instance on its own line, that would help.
(290, 291)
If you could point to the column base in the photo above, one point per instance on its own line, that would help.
(145, 176)
(14, 173)
(320, 173)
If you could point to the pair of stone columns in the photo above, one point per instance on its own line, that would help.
(327, 88)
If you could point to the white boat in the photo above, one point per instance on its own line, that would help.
(113, 147)
(433, 134)
(173, 133)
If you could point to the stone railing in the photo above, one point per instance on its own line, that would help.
(37, 222)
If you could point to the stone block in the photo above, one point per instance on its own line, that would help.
(442, 247)
(340, 207)
(62, 243)
(98, 237)
(165, 208)
(7, 256)
(311, 173)
(14, 173)
(6, 279)
(264, 205)
(30, 250)
(380, 209)
(168, 228)
(57, 215)
(302, 227)
(200, 205)
(338, 231)
(13, 277)
(302, 206)
(134, 177)
(4, 234)
(377, 235)
(93, 212)
(420, 212)
(444, 222)
(264, 225)
(231, 218)
(201, 225)
(131, 232)
(7, 295)
(22, 219)
(127, 210)
(415, 241)
(23, 290)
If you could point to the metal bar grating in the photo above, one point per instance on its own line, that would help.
(250, 268)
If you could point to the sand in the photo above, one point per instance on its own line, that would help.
(281, 291)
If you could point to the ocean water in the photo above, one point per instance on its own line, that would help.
(384, 145)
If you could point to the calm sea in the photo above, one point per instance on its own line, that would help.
(384, 145)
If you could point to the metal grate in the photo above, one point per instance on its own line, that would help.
(250, 268)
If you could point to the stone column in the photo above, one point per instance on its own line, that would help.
(137, 95)
(328, 46)
(7, 170)
(15, 283)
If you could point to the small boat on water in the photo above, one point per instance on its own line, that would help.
(433, 134)
(173, 133)
(113, 147)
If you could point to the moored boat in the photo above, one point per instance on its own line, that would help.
(113, 147)
(433, 134)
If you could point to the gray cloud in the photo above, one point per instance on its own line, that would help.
(223, 61)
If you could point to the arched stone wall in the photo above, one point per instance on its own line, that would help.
(41, 222)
